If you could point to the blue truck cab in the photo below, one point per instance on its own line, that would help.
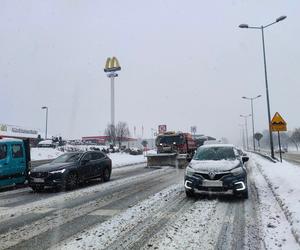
(14, 161)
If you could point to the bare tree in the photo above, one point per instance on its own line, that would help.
(122, 132)
(110, 132)
(295, 137)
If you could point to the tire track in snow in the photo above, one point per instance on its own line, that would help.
(62, 216)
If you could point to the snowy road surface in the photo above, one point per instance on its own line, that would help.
(292, 157)
(146, 208)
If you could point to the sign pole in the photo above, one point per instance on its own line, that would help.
(279, 146)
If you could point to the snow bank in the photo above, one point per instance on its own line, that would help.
(123, 159)
(283, 179)
(38, 154)
(118, 159)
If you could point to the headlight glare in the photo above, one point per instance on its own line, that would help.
(58, 171)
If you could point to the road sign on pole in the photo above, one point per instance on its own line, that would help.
(278, 124)
(162, 129)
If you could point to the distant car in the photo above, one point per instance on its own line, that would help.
(283, 150)
(69, 169)
(217, 168)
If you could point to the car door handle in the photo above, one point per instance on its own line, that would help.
(5, 163)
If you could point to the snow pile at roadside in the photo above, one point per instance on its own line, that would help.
(103, 235)
(283, 179)
(38, 154)
(123, 159)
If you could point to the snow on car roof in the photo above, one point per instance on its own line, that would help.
(10, 140)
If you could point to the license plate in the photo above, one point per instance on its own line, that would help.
(208, 183)
(38, 180)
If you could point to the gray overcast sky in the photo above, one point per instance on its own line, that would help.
(183, 63)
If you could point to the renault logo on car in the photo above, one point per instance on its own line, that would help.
(212, 175)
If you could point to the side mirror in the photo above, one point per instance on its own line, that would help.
(245, 159)
(84, 162)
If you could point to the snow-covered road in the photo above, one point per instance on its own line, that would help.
(146, 208)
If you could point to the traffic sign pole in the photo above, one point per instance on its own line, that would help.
(279, 146)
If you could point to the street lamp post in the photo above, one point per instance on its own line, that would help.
(266, 78)
(243, 135)
(246, 128)
(44, 107)
(253, 130)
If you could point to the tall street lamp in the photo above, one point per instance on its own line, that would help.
(46, 121)
(242, 135)
(246, 128)
(253, 131)
(266, 78)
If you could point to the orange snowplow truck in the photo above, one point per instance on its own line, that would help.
(171, 142)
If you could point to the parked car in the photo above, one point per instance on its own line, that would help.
(217, 168)
(69, 169)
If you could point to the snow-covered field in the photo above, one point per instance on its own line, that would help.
(38, 154)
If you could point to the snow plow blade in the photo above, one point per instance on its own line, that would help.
(171, 159)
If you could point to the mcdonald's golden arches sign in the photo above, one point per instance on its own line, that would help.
(112, 64)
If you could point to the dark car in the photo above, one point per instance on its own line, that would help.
(70, 169)
(217, 168)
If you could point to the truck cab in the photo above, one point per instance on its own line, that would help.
(171, 142)
(14, 161)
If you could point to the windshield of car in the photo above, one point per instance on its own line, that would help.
(170, 140)
(67, 158)
(215, 154)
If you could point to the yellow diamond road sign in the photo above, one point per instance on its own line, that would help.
(277, 123)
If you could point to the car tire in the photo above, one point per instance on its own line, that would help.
(189, 193)
(245, 195)
(71, 181)
(38, 188)
(106, 175)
